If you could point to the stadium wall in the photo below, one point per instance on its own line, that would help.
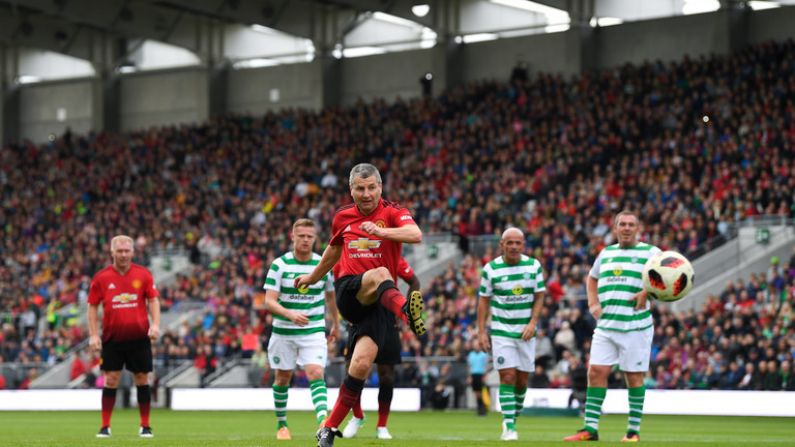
(165, 97)
(51, 107)
(772, 24)
(666, 39)
(674, 402)
(298, 85)
(182, 95)
(392, 75)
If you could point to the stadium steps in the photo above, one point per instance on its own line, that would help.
(431, 258)
(738, 258)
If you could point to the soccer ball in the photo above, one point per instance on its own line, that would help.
(668, 276)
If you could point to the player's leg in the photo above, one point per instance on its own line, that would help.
(506, 360)
(377, 285)
(357, 414)
(477, 389)
(527, 360)
(282, 355)
(604, 354)
(112, 363)
(312, 355)
(635, 354)
(386, 389)
(139, 362)
(364, 353)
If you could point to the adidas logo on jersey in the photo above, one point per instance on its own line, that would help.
(111, 286)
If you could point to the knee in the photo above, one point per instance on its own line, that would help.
(315, 373)
(381, 274)
(112, 380)
(359, 368)
(596, 375)
(141, 379)
(508, 377)
(386, 376)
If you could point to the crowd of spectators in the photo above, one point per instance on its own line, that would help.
(695, 145)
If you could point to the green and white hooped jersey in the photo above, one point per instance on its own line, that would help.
(618, 271)
(310, 301)
(512, 290)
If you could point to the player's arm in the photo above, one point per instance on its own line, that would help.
(94, 341)
(483, 315)
(94, 299)
(407, 234)
(334, 313)
(272, 304)
(592, 286)
(330, 257)
(530, 330)
(154, 311)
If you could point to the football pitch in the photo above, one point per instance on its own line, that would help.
(421, 429)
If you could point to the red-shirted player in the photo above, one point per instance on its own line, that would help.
(388, 356)
(125, 290)
(366, 241)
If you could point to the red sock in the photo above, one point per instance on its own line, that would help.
(357, 410)
(108, 402)
(383, 413)
(144, 403)
(393, 300)
(350, 391)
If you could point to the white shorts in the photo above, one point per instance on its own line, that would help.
(513, 353)
(284, 351)
(630, 350)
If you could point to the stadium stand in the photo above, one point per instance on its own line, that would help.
(695, 145)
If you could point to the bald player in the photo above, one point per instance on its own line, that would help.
(512, 291)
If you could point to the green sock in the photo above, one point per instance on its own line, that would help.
(594, 397)
(280, 401)
(319, 399)
(508, 405)
(636, 397)
(520, 394)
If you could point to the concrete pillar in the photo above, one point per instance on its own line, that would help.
(9, 94)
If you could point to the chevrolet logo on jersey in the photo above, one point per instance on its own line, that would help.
(364, 244)
(124, 298)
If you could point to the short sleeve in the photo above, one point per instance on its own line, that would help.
(95, 292)
(485, 283)
(274, 277)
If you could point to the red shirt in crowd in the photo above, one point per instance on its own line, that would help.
(362, 251)
(124, 300)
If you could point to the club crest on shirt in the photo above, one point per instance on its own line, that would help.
(380, 223)
(136, 283)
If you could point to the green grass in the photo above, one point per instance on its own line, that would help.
(250, 428)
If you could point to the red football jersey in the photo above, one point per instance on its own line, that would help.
(361, 251)
(124, 301)
(405, 272)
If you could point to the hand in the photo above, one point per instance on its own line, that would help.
(371, 228)
(154, 333)
(298, 318)
(596, 310)
(95, 343)
(529, 331)
(485, 343)
(334, 333)
(640, 300)
(303, 281)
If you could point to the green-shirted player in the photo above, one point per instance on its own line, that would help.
(299, 323)
(624, 328)
(512, 288)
